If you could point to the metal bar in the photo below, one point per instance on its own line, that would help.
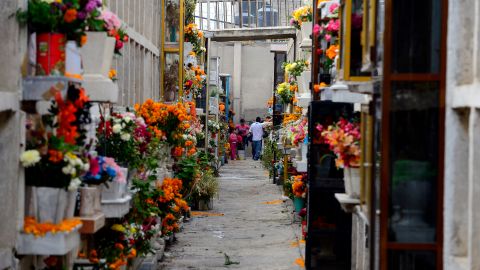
(207, 92)
(264, 8)
(271, 13)
(279, 8)
(256, 13)
(249, 12)
(286, 13)
(213, 20)
(208, 14)
(217, 16)
(240, 15)
(224, 14)
(201, 16)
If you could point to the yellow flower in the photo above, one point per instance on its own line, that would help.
(118, 228)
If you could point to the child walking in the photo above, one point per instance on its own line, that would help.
(232, 139)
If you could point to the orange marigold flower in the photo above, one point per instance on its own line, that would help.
(70, 15)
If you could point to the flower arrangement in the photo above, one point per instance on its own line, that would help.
(206, 188)
(301, 15)
(103, 170)
(295, 68)
(286, 91)
(344, 140)
(297, 133)
(172, 204)
(289, 118)
(116, 139)
(54, 156)
(195, 80)
(101, 19)
(167, 122)
(194, 36)
(299, 188)
(213, 126)
(112, 74)
(69, 17)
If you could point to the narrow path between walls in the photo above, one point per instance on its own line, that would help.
(249, 222)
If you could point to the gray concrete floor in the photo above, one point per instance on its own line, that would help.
(256, 229)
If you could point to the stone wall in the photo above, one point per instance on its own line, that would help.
(139, 68)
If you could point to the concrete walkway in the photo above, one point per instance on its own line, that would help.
(250, 223)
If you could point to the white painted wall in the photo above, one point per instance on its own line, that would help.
(251, 66)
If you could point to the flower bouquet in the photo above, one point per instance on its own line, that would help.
(295, 68)
(301, 15)
(195, 80)
(286, 91)
(344, 141)
(194, 36)
(115, 135)
(299, 190)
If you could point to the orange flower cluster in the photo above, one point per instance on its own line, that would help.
(332, 51)
(171, 188)
(318, 87)
(166, 121)
(70, 15)
(169, 224)
(66, 115)
(31, 226)
(298, 187)
(288, 118)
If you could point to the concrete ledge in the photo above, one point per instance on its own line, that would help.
(247, 34)
(348, 204)
(92, 224)
(50, 244)
(9, 101)
(116, 208)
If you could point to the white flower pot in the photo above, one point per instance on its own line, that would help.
(47, 204)
(307, 28)
(97, 54)
(304, 82)
(115, 189)
(89, 201)
(73, 60)
(352, 182)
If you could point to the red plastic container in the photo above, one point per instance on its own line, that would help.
(50, 54)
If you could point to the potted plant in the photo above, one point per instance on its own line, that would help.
(54, 161)
(54, 23)
(299, 190)
(302, 19)
(343, 139)
(204, 190)
(286, 92)
(106, 36)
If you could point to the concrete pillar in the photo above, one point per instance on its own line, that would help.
(237, 81)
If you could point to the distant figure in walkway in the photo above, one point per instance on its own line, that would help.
(243, 131)
(233, 140)
(256, 130)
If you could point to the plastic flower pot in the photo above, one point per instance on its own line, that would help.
(241, 154)
(48, 204)
(97, 55)
(50, 54)
(352, 182)
(299, 204)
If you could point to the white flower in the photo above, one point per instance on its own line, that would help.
(125, 136)
(67, 169)
(86, 166)
(74, 184)
(185, 137)
(127, 119)
(116, 128)
(30, 158)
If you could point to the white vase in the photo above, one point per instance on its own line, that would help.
(71, 203)
(352, 182)
(304, 82)
(115, 189)
(87, 201)
(73, 60)
(307, 28)
(47, 204)
(97, 54)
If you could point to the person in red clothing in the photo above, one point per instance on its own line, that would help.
(232, 139)
(243, 130)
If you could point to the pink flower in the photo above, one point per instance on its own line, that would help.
(333, 25)
(317, 29)
(120, 176)
(94, 166)
(328, 37)
(333, 7)
(112, 22)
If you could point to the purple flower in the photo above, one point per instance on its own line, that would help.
(81, 15)
(91, 5)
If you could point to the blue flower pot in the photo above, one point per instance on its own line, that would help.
(299, 204)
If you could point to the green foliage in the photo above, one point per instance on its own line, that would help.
(41, 16)
(206, 188)
(269, 151)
